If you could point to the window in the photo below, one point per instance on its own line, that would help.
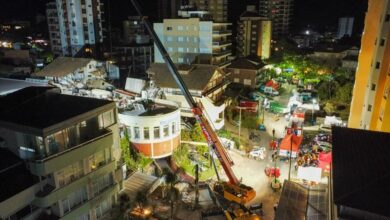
(166, 131)
(180, 49)
(180, 28)
(69, 173)
(247, 82)
(180, 39)
(170, 49)
(173, 127)
(169, 28)
(386, 94)
(236, 71)
(156, 132)
(236, 80)
(136, 133)
(369, 107)
(74, 199)
(180, 60)
(195, 39)
(382, 43)
(373, 87)
(106, 119)
(146, 133)
(377, 65)
(97, 160)
(169, 39)
(100, 184)
(387, 18)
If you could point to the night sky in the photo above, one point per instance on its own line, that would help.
(319, 14)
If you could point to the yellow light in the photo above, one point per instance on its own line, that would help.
(147, 211)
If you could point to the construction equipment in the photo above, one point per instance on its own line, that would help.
(232, 190)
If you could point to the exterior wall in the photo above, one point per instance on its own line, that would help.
(279, 12)
(254, 37)
(369, 102)
(218, 8)
(154, 147)
(79, 22)
(242, 76)
(185, 39)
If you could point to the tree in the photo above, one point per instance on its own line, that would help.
(329, 108)
(344, 93)
(197, 134)
(171, 179)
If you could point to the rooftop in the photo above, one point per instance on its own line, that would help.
(197, 77)
(37, 108)
(63, 66)
(361, 172)
(13, 174)
(147, 108)
(245, 63)
(12, 85)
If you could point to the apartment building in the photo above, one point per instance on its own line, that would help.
(61, 159)
(217, 8)
(194, 40)
(280, 13)
(370, 107)
(78, 23)
(54, 29)
(253, 35)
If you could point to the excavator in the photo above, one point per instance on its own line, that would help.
(233, 190)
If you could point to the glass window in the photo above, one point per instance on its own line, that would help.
(173, 127)
(180, 39)
(180, 28)
(166, 130)
(146, 133)
(169, 38)
(156, 131)
(108, 118)
(97, 160)
(180, 49)
(70, 173)
(136, 133)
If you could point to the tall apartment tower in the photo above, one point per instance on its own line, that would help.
(192, 40)
(79, 23)
(217, 8)
(280, 13)
(345, 27)
(370, 107)
(168, 8)
(59, 160)
(253, 35)
(54, 28)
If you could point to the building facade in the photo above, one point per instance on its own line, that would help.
(370, 107)
(254, 35)
(54, 29)
(217, 8)
(345, 27)
(78, 23)
(72, 158)
(280, 13)
(194, 41)
(245, 72)
(153, 132)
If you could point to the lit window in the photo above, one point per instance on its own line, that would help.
(236, 80)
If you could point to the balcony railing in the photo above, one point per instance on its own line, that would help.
(222, 43)
(216, 32)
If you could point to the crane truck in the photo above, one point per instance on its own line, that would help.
(232, 190)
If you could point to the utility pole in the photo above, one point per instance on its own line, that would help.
(291, 144)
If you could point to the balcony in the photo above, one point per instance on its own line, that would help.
(48, 196)
(222, 32)
(45, 166)
(90, 204)
(222, 44)
(221, 53)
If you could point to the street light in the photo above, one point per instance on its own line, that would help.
(314, 101)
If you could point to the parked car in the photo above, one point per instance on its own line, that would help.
(258, 153)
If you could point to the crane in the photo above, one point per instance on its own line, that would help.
(233, 190)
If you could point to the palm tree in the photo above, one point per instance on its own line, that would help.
(171, 179)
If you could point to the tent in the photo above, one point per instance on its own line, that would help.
(285, 145)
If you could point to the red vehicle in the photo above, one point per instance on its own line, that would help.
(249, 106)
(272, 172)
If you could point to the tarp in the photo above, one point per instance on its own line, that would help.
(324, 160)
(285, 145)
(309, 173)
